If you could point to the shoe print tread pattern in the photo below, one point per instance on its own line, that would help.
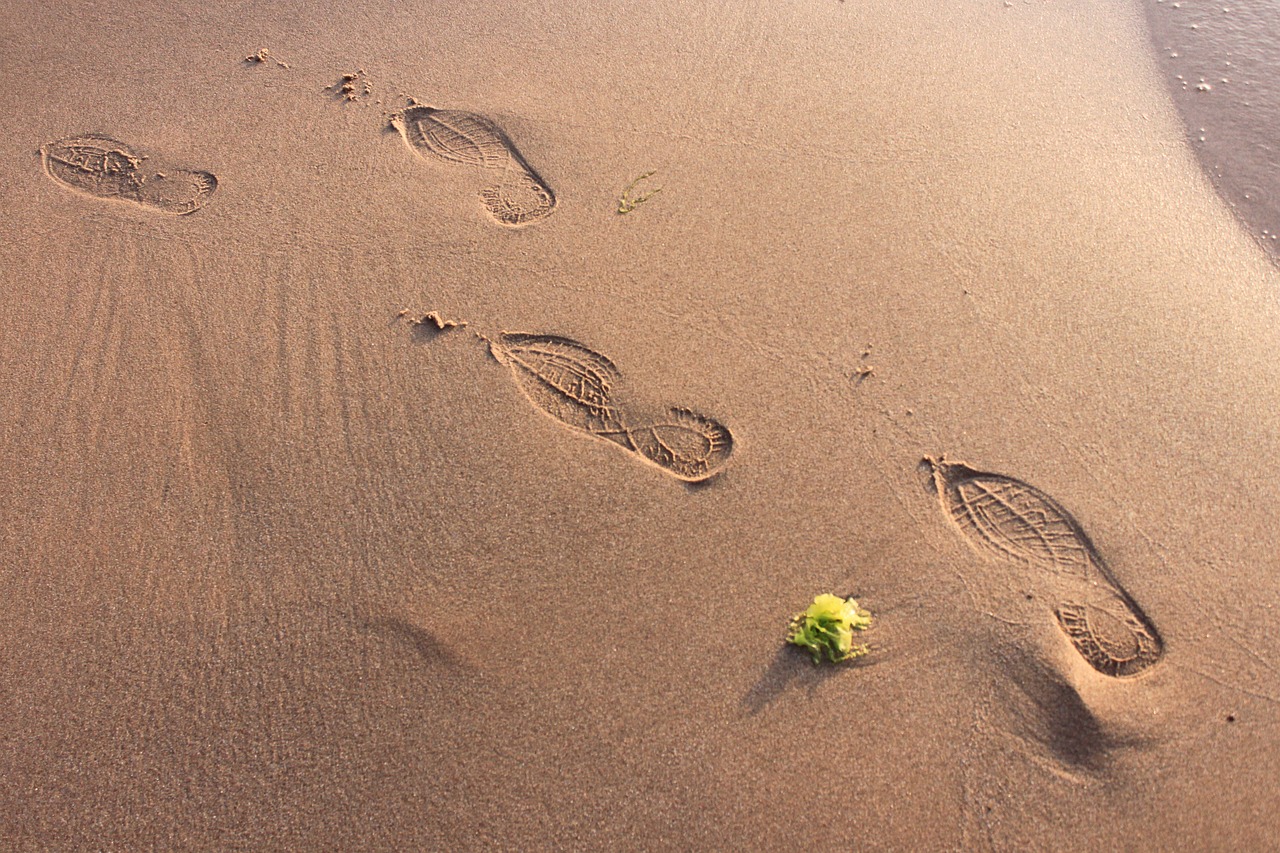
(566, 380)
(107, 168)
(455, 136)
(1015, 521)
(579, 387)
(687, 444)
(518, 197)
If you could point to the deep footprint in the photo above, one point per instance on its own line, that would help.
(519, 197)
(578, 386)
(107, 168)
(1012, 520)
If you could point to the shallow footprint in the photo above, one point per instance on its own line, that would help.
(578, 387)
(177, 191)
(1012, 520)
(456, 136)
(108, 168)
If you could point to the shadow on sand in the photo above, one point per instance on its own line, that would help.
(793, 670)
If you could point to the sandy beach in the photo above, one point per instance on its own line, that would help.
(371, 482)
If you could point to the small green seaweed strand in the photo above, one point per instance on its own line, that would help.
(626, 203)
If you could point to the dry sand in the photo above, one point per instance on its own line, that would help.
(282, 569)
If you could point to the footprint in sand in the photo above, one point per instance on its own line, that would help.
(107, 168)
(519, 195)
(1011, 520)
(577, 386)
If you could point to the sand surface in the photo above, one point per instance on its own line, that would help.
(282, 569)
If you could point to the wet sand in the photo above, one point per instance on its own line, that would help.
(284, 569)
(1222, 63)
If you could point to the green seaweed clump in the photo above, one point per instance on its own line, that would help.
(826, 629)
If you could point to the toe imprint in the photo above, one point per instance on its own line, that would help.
(565, 379)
